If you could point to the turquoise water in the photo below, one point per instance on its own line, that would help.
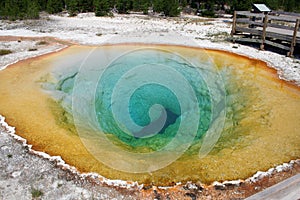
(168, 114)
(146, 95)
(143, 104)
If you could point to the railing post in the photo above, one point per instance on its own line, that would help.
(264, 33)
(294, 40)
(233, 24)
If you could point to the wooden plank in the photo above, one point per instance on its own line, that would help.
(249, 30)
(271, 17)
(280, 26)
(294, 40)
(283, 18)
(279, 36)
(233, 24)
(267, 30)
(280, 31)
(270, 33)
(286, 13)
(277, 45)
(288, 189)
(243, 20)
(248, 21)
(249, 14)
(264, 32)
(259, 41)
(251, 40)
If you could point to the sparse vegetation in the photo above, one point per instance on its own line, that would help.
(102, 7)
(208, 23)
(22, 9)
(32, 49)
(5, 52)
(219, 34)
(29, 9)
(36, 193)
(42, 43)
(167, 7)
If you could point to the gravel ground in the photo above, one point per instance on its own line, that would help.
(23, 48)
(24, 175)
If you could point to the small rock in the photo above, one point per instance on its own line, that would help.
(232, 183)
(156, 195)
(58, 184)
(85, 194)
(219, 186)
(16, 174)
(147, 187)
(192, 195)
(192, 186)
(4, 148)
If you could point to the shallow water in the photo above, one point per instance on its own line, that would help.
(259, 127)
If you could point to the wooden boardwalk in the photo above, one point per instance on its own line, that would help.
(288, 189)
(280, 30)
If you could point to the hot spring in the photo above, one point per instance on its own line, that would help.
(156, 114)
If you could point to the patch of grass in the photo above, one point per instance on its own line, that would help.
(219, 34)
(42, 43)
(110, 14)
(32, 49)
(5, 52)
(208, 23)
(36, 193)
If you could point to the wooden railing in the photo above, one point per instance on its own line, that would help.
(272, 29)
